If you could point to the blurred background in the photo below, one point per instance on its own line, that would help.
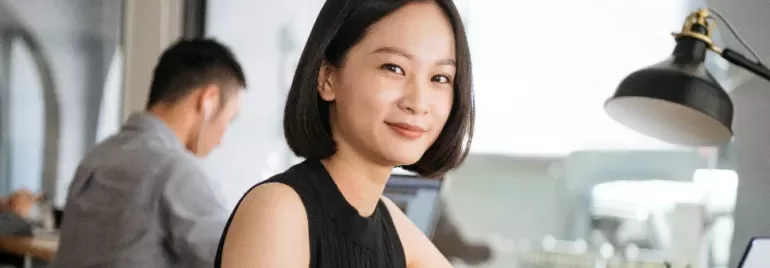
(551, 181)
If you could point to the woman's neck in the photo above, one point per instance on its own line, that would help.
(360, 182)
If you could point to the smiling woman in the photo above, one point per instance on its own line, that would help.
(403, 65)
(379, 84)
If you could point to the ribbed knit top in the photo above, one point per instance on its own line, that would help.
(339, 236)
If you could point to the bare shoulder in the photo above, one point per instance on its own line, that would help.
(392, 207)
(419, 250)
(271, 205)
(274, 193)
(267, 229)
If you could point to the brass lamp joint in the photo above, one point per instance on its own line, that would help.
(701, 18)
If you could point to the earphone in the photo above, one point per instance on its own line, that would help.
(207, 113)
(207, 110)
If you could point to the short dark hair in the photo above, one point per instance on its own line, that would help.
(192, 63)
(339, 26)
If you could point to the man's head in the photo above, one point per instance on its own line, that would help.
(196, 89)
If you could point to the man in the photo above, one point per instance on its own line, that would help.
(140, 199)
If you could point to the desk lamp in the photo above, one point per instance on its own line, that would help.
(678, 100)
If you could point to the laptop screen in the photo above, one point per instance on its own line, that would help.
(757, 253)
(418, 198)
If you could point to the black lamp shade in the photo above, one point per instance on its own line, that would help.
(677, 101)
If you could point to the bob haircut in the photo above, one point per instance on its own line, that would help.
(340, 25)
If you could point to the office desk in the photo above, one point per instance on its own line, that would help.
(40, 247)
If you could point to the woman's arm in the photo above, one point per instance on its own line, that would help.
(269, 229)
(420, 252)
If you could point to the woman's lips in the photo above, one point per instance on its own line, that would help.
(408, 131)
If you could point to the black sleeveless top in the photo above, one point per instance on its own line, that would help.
(339, 236)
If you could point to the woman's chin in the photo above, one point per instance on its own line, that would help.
(406, 160)
(401, 155)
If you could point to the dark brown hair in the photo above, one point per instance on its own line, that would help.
(340, 25)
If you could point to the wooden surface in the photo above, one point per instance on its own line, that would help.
(43, 248)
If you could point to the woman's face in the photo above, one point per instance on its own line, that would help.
(393, 92)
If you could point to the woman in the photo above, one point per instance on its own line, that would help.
(380, 83)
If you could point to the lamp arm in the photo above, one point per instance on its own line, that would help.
(715, 14)
(700, 25)
(739, 60)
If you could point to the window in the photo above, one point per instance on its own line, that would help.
(59, 60)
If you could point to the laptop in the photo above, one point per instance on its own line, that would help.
(757, 254)
(418, 197)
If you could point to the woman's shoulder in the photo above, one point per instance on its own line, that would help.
(267, 228)
(272, 194)
(419, 250)
(287, 189)
(296, 178)
(300, 172)
(279, 199)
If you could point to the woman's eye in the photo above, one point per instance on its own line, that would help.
(393, 68)
(443, 79)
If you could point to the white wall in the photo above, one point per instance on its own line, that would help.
(543, 70)
(752, 145)
(267, 39)
(751, 124)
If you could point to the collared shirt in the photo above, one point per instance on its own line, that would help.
(140, 199)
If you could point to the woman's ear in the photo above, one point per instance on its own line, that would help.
(326, 81)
